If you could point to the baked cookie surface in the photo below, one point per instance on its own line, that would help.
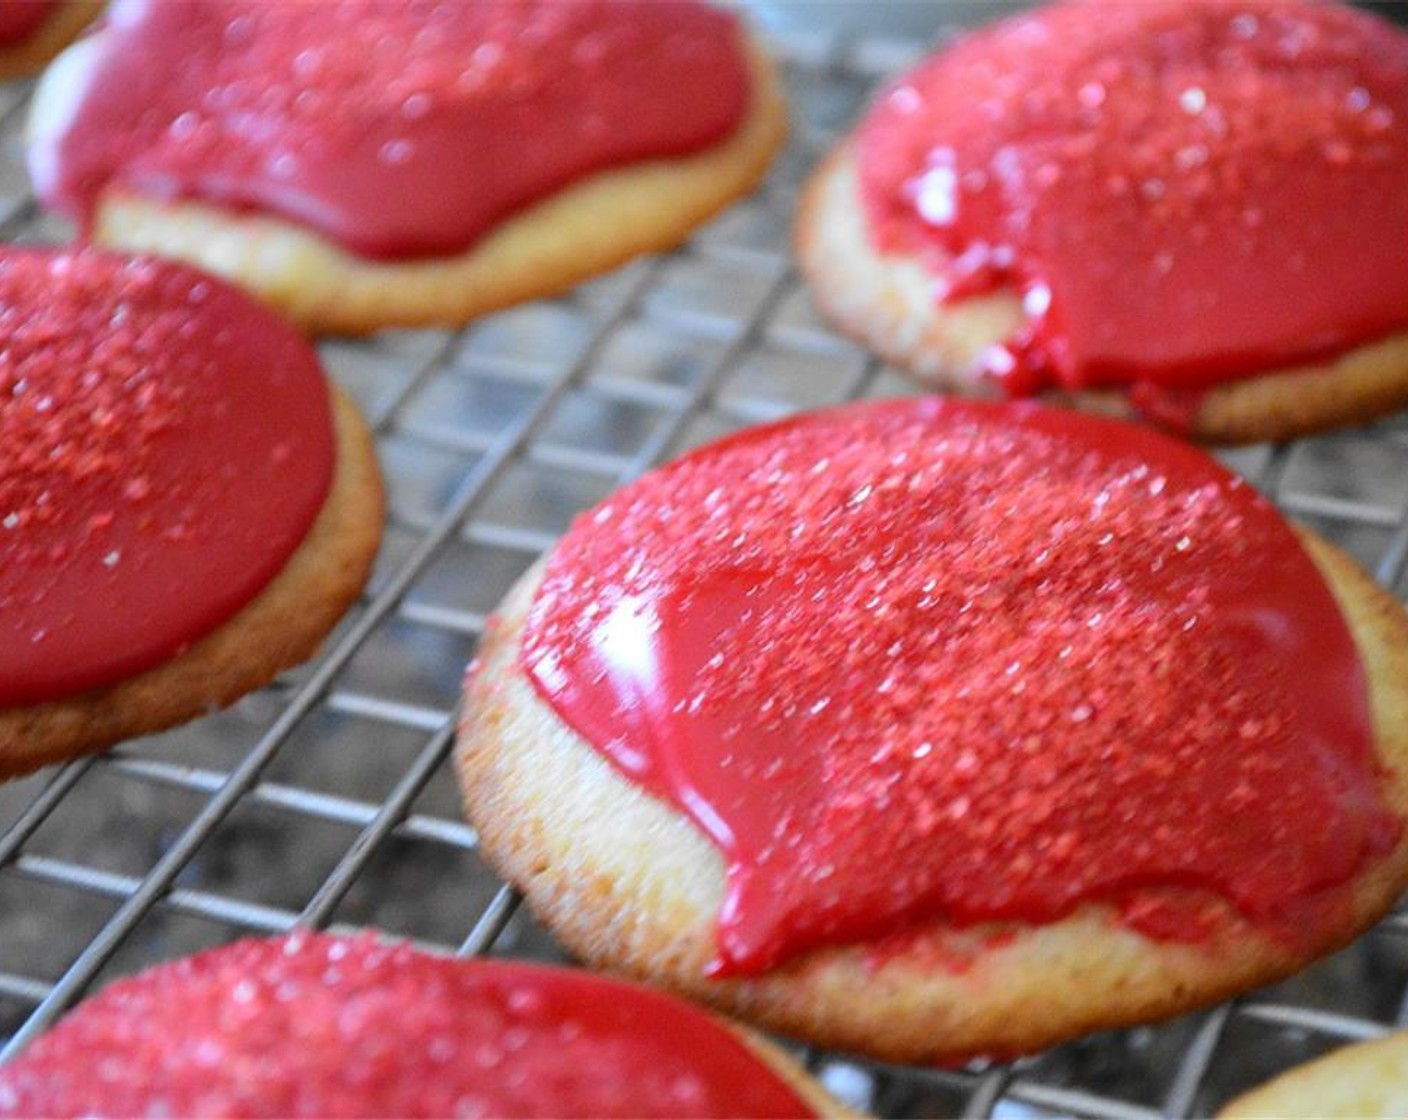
(1367, 1079)
(316, 1025)
(1168, 279)
(994, 965)
(152, 414)
(509, 161)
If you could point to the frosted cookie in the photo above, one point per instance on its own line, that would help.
(1367, 1079)
(33, 31)
(365, 163)
(931, 729)
(314, 1025)
(186, 506)
(1190, 212)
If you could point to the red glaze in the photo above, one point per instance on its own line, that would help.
(165, 444)
(1185, 192)
(396, 129)
(929, 659)
(313, 1025)
(19, 19)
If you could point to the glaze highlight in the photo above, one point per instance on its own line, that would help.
(395, 129)
(942, 661)
(1181, 193)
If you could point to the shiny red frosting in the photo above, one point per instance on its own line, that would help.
(930, 660)
(165, 445)
(316, 1026)
(1184, 192)
(396, 128)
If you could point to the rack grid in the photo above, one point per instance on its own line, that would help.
(327, 798)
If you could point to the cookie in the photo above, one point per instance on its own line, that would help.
(33, 31)
(934, 729)
(1363, 1080)
(408, 166)
(187, 506)
(315, 1025)
(1184, 212)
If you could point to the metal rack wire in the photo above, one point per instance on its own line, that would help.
(327, 800)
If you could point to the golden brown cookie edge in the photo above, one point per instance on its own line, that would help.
(785, 1066)
(630, 886)
(279, 628)
(586, 229)
(886, 304)
(1363, 1079)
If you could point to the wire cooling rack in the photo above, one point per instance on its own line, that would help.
(327, 799)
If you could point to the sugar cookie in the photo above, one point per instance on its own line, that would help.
(932, 729)
(186, 506)
(1360, 1081)
(363, 164)
(1190, 212)
(315, 1025)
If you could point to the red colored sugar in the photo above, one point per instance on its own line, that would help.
(931, 659)
(165, 444)
(397, 129)
(1184, 192)
(313, 1025)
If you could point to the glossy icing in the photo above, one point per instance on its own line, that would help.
(395, 129)
(314, 1025)
(1183, 193)
(938, 660)
(165, 444)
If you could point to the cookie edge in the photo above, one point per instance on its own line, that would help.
(655, 921)
(281, 627)
(886, 303)
(588, 228)
(1340, 1083)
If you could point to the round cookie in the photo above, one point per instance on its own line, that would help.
(189, 505)
(1178, 277)
(641, 169)
(630, 881)
(1367, 1079)
(316, 1025)
(34, 31)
